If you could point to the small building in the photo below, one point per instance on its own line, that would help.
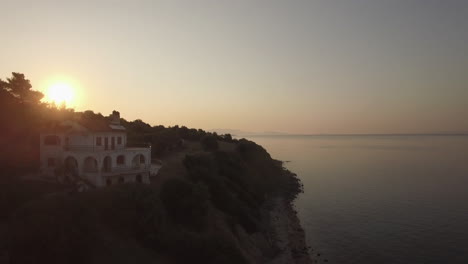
(93, 152)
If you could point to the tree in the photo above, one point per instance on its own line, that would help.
(20, 87)
(3, 90)
(3, 85)
(210, 143)
(227, 137)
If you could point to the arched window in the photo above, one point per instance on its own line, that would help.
(121, 160)
(138, 161)
(107, 164)
(71, 165)
(90, 165)
(52, 140)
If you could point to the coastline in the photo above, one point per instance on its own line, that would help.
(288, 233)
(261, 228)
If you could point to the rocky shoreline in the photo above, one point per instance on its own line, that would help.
(289, 234)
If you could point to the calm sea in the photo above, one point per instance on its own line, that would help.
(380, 199)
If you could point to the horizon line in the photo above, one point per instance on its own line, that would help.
(357, 134)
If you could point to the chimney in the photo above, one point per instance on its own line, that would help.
(115, 118)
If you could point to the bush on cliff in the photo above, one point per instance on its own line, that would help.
(268, 175)
(210, 142)
(78, 228)
(14, 192)
(230, 196)
(58, 229)
(185, 202)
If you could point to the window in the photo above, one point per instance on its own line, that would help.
(90, 165)
(51, 140)
(119, 140)
(50, 162)
(98, 141)
(121, 180)
(108, 182)
(120, 160)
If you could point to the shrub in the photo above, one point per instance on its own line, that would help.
(232, 196)
(14, 193)
(185, 202)
(133, 208)
(58, 229)
(227, 137)
(210, 143)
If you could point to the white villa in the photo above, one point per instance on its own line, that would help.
(94, 152)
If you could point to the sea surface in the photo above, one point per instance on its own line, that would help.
(380, 199)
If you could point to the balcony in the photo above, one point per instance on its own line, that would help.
(126, 170)
(88, 148)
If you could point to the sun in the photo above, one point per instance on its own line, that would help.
(60, 93)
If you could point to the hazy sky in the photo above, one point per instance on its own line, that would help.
(326, 66)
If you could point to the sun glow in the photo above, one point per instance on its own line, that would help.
(60, 93)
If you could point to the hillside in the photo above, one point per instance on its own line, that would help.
(215, 208)
(215, 200)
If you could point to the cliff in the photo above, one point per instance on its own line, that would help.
(230, 204)
(215, 200)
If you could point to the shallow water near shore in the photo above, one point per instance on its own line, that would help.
(380, 199)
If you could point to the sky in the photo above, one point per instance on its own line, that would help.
(302, 67)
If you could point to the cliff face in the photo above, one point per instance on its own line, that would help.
(227, 204)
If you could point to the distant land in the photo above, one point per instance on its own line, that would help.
(238, 132)
(242, 133)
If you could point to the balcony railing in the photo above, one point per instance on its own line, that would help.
(139, 145)
(102, 148)
(127, 169)
(82, 148)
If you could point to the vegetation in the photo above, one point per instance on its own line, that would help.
(200, 217)
(210, 142)
(186, 203)
(68, 228)
(23, 116)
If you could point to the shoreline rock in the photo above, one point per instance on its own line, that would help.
(288, 234)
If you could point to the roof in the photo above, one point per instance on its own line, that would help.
(100, 125)
(116, 127)
(56, 128)
(83, 125)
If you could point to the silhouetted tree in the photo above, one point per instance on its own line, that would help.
(20, 87)
(227, 137)
(210, 142)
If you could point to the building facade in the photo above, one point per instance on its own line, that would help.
(94, 152)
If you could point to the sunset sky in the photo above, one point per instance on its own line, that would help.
(350, 66)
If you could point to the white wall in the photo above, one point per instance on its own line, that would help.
(89, 140)
(83, 145)
(109, 136)
(49, 151)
